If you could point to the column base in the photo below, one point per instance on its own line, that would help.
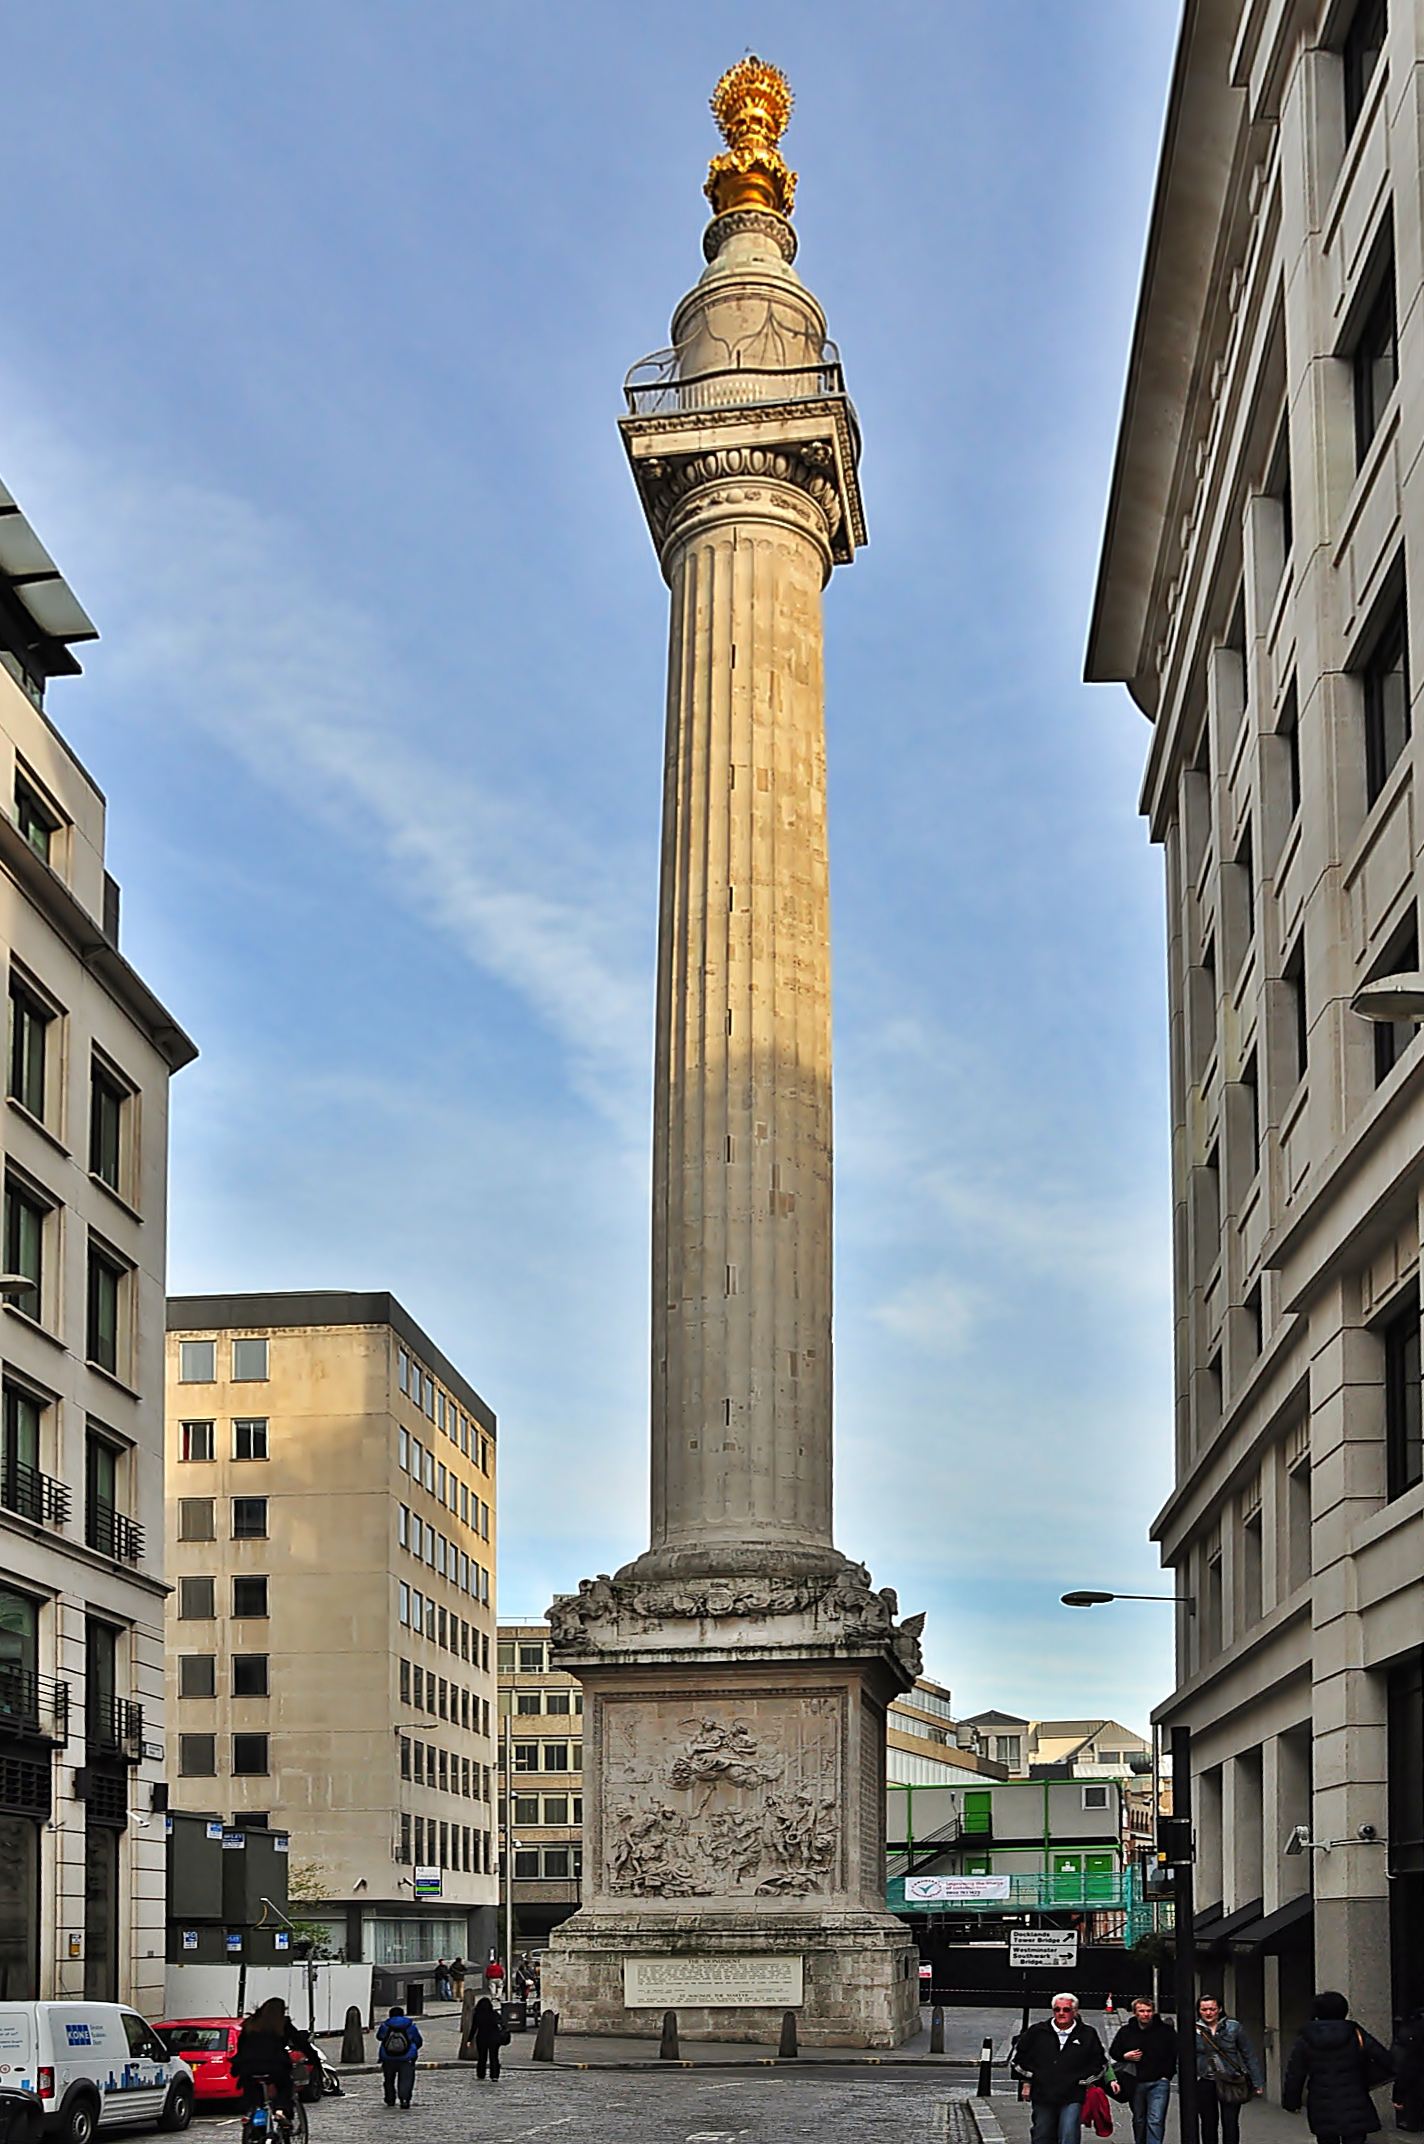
(856, 1975)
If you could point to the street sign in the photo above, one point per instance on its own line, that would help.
(942, 1890)
(1042, 1949)
(427, 1883)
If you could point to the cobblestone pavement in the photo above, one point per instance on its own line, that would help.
(588, 2107)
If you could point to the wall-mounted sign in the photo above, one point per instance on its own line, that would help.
(1042, 1949)
(280, 1842)
(153, 1752)
(283, 1939)
(942, 1890)
(215, 1831)
(190, 1939)
(234, 1942)
(234, 1842)
(427, 1883)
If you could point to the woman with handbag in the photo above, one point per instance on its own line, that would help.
(1333, 2067)
(1228, 2073)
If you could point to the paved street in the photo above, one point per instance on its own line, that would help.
(647, 2107)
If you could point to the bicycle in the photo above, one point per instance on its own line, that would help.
(275, 2125)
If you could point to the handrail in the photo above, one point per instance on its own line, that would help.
(33, 1705)
(33, 1495)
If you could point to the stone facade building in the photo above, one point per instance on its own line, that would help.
(331, 1629)
(1260, 596)
(90, 1055)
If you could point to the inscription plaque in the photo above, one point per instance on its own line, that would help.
(722, 1983)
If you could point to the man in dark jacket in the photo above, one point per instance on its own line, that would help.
(1055, 2061)
(400, 2043)
(1144, 2053)
(1332, 2066)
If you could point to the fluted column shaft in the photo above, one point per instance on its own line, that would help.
(741, 1417)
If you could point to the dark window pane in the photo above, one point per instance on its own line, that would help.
(1364, 41)
(106, 1104)
(197, 1675)
(249, 1518)
(1376, 365)
(196, 1603)
(249, 1754)
(197, 1756)
(34, 819)
(1386, 687)
(195, 1518)
(249, 1596)
(103, 1336)
(1404, 1417)
(24, 1244)
(249, 1675)
(29, 1021)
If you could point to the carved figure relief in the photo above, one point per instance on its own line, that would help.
(722, 1804)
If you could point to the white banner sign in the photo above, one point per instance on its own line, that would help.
(716, 1983)
(939, 1889)
(1042, 1949)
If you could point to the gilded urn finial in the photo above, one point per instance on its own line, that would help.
(751, 104)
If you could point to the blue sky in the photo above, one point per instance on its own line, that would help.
(318, 312)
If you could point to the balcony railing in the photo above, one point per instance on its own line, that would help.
(114, 1724)
(660, 386)
(36, 1496)
(35, 1706)
(112, 1534)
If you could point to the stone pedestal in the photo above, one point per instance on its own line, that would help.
(734, 1841)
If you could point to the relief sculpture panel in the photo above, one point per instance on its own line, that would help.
(739, 1799)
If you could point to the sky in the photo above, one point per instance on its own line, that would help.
(310, 370)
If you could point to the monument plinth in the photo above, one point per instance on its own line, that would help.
(736, 1675)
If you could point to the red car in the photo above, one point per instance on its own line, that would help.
(207, 2045)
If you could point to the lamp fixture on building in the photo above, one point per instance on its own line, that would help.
(1087, 1599)
(1389, 998)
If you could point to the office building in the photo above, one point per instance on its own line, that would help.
(331, 1630)
(1260, 596)
(91, 1051)
(541, 1722)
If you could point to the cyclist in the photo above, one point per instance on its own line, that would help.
(261, 2058)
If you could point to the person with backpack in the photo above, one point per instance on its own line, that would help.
(1333, 2067)
(489, 2034)
(1228, 2073)
(400, 2044)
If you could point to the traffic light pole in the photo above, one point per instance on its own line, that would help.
(1185, 1933)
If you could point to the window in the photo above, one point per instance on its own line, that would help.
(195, 1441)
(556, 1861)
(249, 1438)
(1250, 1090)
(1006, 1750)
(428, 1475)
(106, 1120)
(1376, 365)
(249, 1518)
(403, 1369)
(197, 1756)
(197, 1675)
(403, 1525)
(1095, 1797)
(197, 1362)
(404, 1854)
(1385, 678)
(1364, 42)
(21, 1486)
(104, 1528)
(1278, 487)
(249, 1596)
(405, 1756)
(528, 1700)
(505, 1656)
(249, 1362)
(29, 1027)
(106, 1279)
(556, 1756)
(417, 1455)
(249, 1675)
(1213, 1632)
(1288, 730)
(526, 1756)
(249, 1755)
(556, 1701)
(24, 1243)
(403, 1598)
(1293, 977)
(1393, 1037)
(556, 1808)
(1298, 1518)
(195, 1600)
(405, 1682)
(34, 818)
(415, 1382)
(1251, 1568)
(195, 1519)
(403, 1451)
(1403, 1426)
(526, 1863)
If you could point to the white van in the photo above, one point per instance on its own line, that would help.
(93, 2065)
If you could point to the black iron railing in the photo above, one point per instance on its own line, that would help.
(662, 386)
(112, 1534)
(114, 1723)
(33, 1705)
(23, 1489)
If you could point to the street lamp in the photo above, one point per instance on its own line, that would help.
(1178, 1839)
(1390, 998)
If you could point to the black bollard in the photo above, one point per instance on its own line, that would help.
(937, 2029)
(353, 2047)
(788, 2050)
(667, 2052)
(544, 2032)
(986, 2064)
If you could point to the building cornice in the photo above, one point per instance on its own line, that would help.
(46, 889)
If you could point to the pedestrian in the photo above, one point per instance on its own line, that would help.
(494, 1977)
(1055, 2061)
(490, 2035)
(457, 1979)
(1407, 2055)
(1144, 2052)
(1228, 2072)
(442, 1981)
(1332, 2067)
(263, 2056)
(400, 2044)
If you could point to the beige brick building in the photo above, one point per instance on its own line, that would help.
(81, 1456)
(1259, 595)
(541, 1717)
(331, 1633)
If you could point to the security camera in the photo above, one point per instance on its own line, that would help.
(1299, 1839)
(1367, 1831)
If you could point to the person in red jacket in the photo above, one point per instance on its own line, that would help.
(494, 1977)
